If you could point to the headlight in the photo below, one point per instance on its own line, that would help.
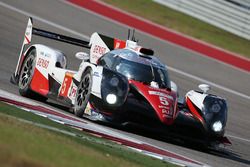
(217, 126)
(215, 108)
(111, 98)
(114, 88)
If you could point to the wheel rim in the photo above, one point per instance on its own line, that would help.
(27, 72)
(83, 91)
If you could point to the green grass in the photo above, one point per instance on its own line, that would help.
(23, 144)
(185, 24)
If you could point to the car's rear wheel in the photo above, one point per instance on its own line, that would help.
(83, 93)
(26, 75)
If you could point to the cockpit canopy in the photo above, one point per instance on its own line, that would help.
(137, 67)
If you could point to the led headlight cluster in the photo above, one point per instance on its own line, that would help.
(114, 88)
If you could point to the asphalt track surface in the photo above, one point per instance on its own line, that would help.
(61, 17)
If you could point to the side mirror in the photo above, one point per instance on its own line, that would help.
(173, 86)
(82, 56)
(204, 87)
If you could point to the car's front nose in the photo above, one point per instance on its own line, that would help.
(162, 101)
(114, 88)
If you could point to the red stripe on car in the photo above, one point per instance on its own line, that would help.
(194, 111)
(27, 39)
(39, 83)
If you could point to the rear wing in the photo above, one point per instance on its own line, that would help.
(61, 38)
(30, 30)
(98, 44)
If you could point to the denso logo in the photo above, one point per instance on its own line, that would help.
(43, 63)
(99, 49)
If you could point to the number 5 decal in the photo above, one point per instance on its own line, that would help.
(66, 84)
(163, 101)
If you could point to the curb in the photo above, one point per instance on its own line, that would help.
(68, 120)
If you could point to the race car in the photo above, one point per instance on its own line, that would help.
(118, 82)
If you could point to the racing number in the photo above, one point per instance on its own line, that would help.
(165, 105)
(66, 84)
(163, 101)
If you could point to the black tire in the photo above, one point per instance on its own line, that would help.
(26, 75)
(83, 93)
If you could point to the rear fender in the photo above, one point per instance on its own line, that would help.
(46, 61)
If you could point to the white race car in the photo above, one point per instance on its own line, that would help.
(118, 82)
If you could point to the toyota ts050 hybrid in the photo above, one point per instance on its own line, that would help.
(118, 82)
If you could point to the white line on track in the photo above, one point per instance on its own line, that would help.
(43, 20)
(239, 138)
(87, 37)
(208, 82)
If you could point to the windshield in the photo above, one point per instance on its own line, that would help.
(143, 73)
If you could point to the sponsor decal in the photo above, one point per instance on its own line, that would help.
(99, 50)
(72, 93)
(96, 74)
(165, 111)
(165, 107)
(96, 52)
(157, 93)
(29, 27)
(47, 55)
(42, 63)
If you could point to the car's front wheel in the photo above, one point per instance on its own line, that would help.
(83, 93)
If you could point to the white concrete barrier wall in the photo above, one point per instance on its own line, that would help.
(242, 3)
(220, 13)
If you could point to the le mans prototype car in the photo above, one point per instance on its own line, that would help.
(118, 82)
